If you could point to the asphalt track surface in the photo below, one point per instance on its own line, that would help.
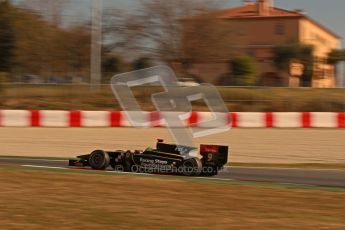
(315, 177)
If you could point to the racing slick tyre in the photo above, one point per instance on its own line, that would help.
(191, 167)
(99, 160)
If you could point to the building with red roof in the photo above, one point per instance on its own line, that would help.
(254, 29)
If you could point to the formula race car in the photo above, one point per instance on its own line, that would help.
(164, 159)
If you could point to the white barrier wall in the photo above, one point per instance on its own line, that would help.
(45, 118)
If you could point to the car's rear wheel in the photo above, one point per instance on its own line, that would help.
(99, 160)
(191, 167)
(210, 171)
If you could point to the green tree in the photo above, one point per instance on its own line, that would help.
(111, 64)
(6, 37)
(29, 44)
(336, 56)
(157, 28)
(283, 54)
(244, 70)
(142, 63)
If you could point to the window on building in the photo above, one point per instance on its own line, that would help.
(280, 29)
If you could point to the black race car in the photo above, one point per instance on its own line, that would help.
(165, 158)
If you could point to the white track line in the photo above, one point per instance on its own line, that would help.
(30, 159)
(282, 168)
(227, 167)
(46, 167)
(128, 173)
(213, 178)
(202, 178)
(104, 171)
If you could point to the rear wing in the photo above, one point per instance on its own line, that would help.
(214, 155)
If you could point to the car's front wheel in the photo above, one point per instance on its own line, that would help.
(99, 160)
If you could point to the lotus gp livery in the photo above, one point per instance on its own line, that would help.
(164, 159)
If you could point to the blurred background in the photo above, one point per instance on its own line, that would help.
(262, 57)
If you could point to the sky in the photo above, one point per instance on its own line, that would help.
(330, 13)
